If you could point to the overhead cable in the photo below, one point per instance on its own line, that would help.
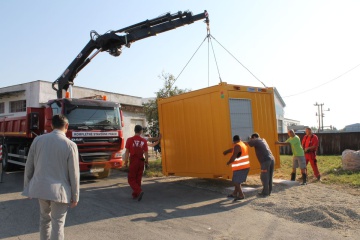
(310, 89)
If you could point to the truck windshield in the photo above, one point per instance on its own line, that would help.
(87, 117)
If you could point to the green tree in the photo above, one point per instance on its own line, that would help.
(314, 128)
(151, 107)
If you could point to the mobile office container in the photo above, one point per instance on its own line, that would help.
(198, 126)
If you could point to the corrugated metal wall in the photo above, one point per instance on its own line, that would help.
(329, 143)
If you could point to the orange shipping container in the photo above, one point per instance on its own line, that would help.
(198, 126)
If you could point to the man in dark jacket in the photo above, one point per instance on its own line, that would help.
(266, 160)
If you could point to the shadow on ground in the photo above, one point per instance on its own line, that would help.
(102, 199)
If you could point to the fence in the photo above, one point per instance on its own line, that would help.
(329, 143)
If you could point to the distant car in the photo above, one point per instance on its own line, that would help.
(300, 131)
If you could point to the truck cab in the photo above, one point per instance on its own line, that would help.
(96, 127)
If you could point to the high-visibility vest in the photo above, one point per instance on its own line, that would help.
(243, 161)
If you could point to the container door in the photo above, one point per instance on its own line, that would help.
(241, 117)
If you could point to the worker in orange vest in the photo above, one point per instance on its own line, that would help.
(240, 165)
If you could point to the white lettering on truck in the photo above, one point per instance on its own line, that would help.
(95, 134)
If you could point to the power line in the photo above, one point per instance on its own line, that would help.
(308, 90)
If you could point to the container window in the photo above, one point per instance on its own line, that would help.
(241, 118)
(18, 106)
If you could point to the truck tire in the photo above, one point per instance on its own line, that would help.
(6, 166)
(104, 174)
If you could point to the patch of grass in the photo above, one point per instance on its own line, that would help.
(330, 168)
(155, 169)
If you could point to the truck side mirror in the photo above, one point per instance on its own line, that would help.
(34, 121)
(122, 118)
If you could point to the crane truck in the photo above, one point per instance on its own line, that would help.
(94, 125)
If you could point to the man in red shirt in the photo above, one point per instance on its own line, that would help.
(310, 144)
(137, 151)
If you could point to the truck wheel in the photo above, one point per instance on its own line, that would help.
(5, 164)
(104, 174)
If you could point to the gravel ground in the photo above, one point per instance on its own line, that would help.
(317, 204)
(188, 208)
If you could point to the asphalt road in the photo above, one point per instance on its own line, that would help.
(170, 209)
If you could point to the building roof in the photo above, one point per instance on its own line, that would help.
(73, 87)
(353, 125)
(291, 120)
(10, 94)
(277, 94)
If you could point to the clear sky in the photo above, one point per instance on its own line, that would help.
(293, 45)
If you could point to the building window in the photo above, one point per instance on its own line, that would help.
(2, 107)
(280, 126)
(18, 106)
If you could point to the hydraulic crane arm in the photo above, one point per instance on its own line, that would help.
(112, 42)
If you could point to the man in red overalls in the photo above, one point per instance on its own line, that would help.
(310, 144)
(137, 149)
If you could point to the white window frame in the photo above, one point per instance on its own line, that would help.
(241, 117)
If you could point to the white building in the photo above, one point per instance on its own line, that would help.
(284, 124)
(14, 100)
(280, 113)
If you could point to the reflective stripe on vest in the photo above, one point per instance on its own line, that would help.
(241, 162)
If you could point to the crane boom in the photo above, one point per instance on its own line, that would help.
(112, 42)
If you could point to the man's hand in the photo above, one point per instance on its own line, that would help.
(73, 204)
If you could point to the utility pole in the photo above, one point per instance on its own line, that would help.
(320, 115)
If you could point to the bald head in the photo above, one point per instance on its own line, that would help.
(291, 133)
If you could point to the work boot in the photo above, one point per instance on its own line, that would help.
(304, 179)
(293, 176)
(318, 178)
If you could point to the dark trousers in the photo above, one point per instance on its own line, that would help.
(136, 170)
(266, 176)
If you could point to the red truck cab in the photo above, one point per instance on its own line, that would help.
(94, 125)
